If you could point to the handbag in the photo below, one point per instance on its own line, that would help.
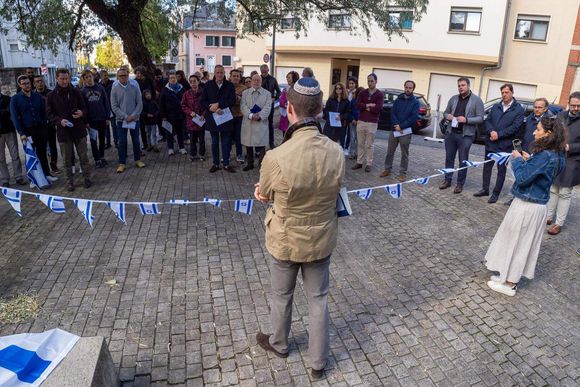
(444, 125)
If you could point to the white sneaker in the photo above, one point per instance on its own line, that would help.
(170, 152)
(80, 170)
(346, 152)
(502, 288)
(495, 278)
(73, 169)
(182, 151)
(52, 179)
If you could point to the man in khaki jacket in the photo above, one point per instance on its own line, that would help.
(302, 178)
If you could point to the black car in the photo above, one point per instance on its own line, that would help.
(423, 120)
(527, 104)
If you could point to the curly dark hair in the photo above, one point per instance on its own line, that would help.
(556, 140)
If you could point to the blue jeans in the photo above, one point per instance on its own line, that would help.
(353, 141)
(122, 134)
(226, 143)
(457, 144)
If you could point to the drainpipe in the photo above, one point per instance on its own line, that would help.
(501, 49)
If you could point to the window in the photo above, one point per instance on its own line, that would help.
(226, 60)
(212, 41)
(14, 47)
(288, 23)
(402, 18)
(200, 61)
(228, 41)
(339, 20)
(465, 20)
(530, 27)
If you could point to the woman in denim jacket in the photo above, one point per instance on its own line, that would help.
(516, 245)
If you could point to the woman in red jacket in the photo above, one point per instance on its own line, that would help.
(191, 106)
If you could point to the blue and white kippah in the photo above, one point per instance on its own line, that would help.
(307, 86)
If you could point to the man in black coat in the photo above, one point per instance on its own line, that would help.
(502, 125)
(217, 95)
(8, 140)
(271, 84)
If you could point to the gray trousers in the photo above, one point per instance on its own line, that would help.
(10, 141)
(315, 276)
(67, 149)
(405, 142)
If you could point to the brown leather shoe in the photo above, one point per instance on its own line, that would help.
(264, 342)
(385, 173)
(549, 222)
(357, 166)
(446, 184)
(402, 178)
(458, 189)
(555, 229)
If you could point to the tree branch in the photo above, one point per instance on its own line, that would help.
(76, 26)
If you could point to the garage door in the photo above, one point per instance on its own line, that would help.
(281, 72)
(392, 78)
(521, 90)
(446, 86)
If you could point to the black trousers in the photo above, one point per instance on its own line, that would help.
(271, 128)
(51, 130)
(260, 153)
(39, 136)
(501, 172)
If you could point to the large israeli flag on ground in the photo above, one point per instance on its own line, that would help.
(27, 359)
(500, 158)
(243, 206)
(395, 190)
(364, 193)
(33, 168)
(53, 202)
(149, 208)
(13, 198)
(119, 210)
(86, 208)
(213, 202)
(422, 180)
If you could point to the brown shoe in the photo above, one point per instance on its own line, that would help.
(385, 173)
(368, 168)
(264, 342)
(549, 222)
(555, 229)
(446, 184)
(458, 189)
(357, 166)
(402, 178)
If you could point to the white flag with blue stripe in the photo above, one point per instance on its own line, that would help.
(55, 203)
(86, 208)
(446, 170)
(119, 210)
(28, 358)
(213, 202)
(500, 158)
(342, 204)
(244, 206)
(149, 208)
(33, 168)
(13, 198)
(395, 190)
(423, 180)
(180, 202)
(470, 163)
(364, 193)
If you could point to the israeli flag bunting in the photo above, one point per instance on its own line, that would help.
(470, 163)
(395, 190)
(243, 206)
(54, 203)
(446, 170)
(213, 202)
(28, 358)
(423, 180)
(86, 208)
(180, 202)
(33, 169)
(500, 158)
(149, 208)
(13, 198)
(119, 210)
(364, 194)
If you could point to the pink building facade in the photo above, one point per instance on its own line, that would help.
(206, 49)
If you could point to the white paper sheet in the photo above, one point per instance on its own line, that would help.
(199, 120)
(130, 125)
(454, 123)
(403, 132)
(224, 117)
(93, 134)
(334, 119)
(167, 126)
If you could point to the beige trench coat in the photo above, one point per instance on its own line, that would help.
(255, 133)
(302, 177)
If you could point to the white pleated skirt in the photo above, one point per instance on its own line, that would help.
(515, 248)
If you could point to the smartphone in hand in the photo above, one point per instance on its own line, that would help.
(517, 143)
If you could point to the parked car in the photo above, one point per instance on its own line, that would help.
(423, 119)
(527, 104)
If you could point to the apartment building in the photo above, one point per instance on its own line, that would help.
(529, 43)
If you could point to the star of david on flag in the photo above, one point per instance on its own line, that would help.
(148, 208)
(364, 194)
(243, 206)
(423, 180)
(395, 190)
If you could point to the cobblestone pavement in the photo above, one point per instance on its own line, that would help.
(408, 300)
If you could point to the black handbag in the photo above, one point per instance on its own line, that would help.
(444, 125)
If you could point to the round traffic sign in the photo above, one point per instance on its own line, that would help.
(266, 58)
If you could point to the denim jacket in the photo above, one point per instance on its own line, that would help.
(535, 175)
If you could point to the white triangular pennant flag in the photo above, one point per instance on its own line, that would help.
(213, 202)
(119, 210)
(446, 170)
(55, 203)
(423, 180)
(181, 202)
(342, 204)
(470, 163)
(395, 190)
(364, 193)
(243, 206)
(500, 158)
(148, 208)
(13, 198)
(86, 208)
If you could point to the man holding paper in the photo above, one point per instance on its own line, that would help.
(404, 116)
(255, 106)
(217, 98)
(127, 103)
